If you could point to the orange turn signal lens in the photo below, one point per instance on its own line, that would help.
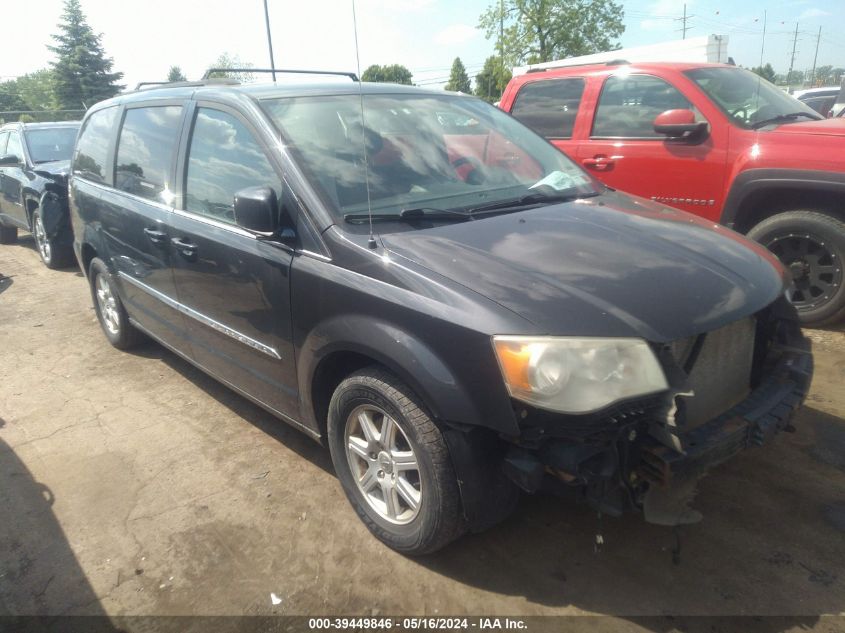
(514, 358)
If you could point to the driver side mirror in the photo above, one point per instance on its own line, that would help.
(679, 124)
(257, 210)
(10, 159)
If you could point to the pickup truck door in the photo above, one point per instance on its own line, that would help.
(234, 285)
(622, 149)
(11, 177)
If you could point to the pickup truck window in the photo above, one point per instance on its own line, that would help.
(628, 105)
(549, 106)
(92, 147)
(224, 158)
(144, 150)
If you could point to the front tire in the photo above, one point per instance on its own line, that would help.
(110, 311)
(393, 463)
(54, 252)
(811, 245)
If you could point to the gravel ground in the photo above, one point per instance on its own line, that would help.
(132, 484)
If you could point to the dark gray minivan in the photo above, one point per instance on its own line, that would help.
(436, 292)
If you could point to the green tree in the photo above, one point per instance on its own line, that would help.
(458, 78)
(394, 74)
(795, 78)
(82, 74)
(537, 31)
(231, 61)
(766, 72)
(10, 96)
(491, 81)
(175, 74)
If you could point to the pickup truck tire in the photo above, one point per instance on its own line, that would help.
(110, 311)
(8, 234)
(811, 244)
(393, 463)
(55, 253)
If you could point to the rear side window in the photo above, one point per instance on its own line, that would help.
(92, 146)
(549, 107)
(628, 105)
(145, 150)
(224, 158)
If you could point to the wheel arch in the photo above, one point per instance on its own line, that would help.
(759, 194)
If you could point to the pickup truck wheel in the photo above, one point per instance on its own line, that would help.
(811, 245)
(393, 463)
(54, 252)
(8, 234)
(110, 311)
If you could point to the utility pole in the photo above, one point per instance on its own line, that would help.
(815, 59)
(501, 42)
(683, 21)
(792, 59)
(269, 40)
(763, 44)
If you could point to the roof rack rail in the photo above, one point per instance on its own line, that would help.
(339, 73)
(149, 85)
(612, 62)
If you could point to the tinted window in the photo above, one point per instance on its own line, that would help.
(549, 107)
(628, 105)
(4, 136)
(14, 145)
(145, 150)
(223, 158)
(92, 149)
(50, 143)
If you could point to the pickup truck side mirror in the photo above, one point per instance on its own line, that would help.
(10, 159)
(679, 124)
(257, 210)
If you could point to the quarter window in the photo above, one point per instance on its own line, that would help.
(14, 147)
(549, 107)
(92, 147)
(145, 150)
(224, 158)
(628, 106)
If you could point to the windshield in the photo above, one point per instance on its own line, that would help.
(748, 99)
(423, 151)
(51, 143)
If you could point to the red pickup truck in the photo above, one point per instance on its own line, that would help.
(714, 140)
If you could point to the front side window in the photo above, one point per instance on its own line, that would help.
(145, 149)
(629, 104)
(419, 151)
(4, 137)
(749, 100)
(549, 106)
(49, 144)
(14, 146)
(92, 149)
(223, 158)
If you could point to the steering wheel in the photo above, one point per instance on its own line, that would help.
(476, 175)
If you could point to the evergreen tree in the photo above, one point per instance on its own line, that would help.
(175, 74)
(491, 81)
(82, 72)
(766, 72)
(458, 79)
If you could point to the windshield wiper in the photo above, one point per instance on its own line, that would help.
(527, 200)
(783, 118)
(410, 215)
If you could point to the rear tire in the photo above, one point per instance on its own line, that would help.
(110, 311)
(395, 468)
(8, 234)
(810, 244)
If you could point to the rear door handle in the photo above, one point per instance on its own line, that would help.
(156, 237)
(186, 249)
(599, 163)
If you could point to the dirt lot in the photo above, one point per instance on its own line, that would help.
(130, 483)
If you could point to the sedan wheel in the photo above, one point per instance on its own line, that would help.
(41, 239)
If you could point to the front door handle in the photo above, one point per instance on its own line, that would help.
(156, 237)
(186, 249)
(599, 162)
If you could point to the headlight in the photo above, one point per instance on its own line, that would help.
(577, 375)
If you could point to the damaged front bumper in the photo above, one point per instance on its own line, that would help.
(639, 457)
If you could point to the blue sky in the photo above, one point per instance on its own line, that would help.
(147, 36)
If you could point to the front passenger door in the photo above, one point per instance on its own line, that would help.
(233, 285)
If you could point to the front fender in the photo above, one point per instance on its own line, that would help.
(414, 362)
(54, 213)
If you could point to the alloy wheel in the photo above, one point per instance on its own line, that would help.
(383, 464)
(41, 239)
(107, 304)
(815, 268)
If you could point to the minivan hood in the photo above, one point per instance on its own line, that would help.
(609, 266)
